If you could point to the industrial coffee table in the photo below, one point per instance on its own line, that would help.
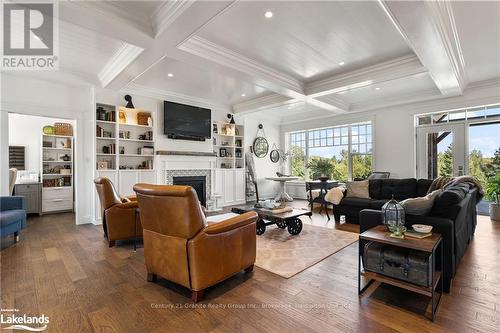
(289, 220)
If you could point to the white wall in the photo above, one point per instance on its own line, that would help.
(26, 130)
(394, 132)
(263, 166)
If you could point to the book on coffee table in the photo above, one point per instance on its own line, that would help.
(418, 235)
(277, 210)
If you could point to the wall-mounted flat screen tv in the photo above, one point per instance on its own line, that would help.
(188, 122)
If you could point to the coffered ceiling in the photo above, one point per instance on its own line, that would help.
(285, 59)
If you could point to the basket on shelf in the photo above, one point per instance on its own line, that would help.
(63, 129)
(142, 118)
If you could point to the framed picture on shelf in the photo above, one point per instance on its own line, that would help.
(222, 152)
(237, 142)
(214, 129)
(62, 143)
(103, 165)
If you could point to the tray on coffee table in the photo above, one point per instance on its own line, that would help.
(287, 220)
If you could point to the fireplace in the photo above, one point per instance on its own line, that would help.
(198, 183)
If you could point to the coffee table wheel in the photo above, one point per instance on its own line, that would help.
(261, 227)
(294, 226)
(281, 224)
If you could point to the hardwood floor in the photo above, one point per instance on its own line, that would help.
(68, 273)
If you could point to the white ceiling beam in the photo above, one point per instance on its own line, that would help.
(165, 44)
(401, 67)
(107, 20)
(118, 62)
(429, 29)
(279, 82)
(260, 103)
(167, 13)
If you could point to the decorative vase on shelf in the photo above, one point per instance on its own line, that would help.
(393, 215)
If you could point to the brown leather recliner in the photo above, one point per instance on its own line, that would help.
(180, 247)
(117, 213)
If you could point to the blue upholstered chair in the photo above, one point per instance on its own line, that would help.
(12, 216)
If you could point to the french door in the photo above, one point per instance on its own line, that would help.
(441, 151)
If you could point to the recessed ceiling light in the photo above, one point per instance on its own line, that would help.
(243, 95)
(377, 88)
(268, 14)
(341, 63)
(170, 75)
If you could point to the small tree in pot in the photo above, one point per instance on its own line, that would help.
(493, 193)
(320, 167)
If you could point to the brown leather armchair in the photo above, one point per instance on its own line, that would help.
(117, 213)
(180, 247)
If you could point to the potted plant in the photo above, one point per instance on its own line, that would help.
(320, 168)
(493, 193)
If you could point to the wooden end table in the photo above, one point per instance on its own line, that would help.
(430, 244)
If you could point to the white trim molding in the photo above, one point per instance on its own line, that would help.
(118, 62)
(206, 49)
(260, 103)
(167, 13)
(134, 88)
(393, 69)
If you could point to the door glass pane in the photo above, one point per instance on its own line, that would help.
(493, 111)
(439, 154)
(484, 151)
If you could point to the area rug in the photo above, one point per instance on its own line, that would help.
(286, 255)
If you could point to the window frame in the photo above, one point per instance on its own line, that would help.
(312, 131)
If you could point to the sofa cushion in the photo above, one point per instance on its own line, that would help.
(399, 188)
(375, 188)
(11, 216)
(358, 189)
(356, 202)
(377, 204)
(446, 204)
(423, 186)
(420, 205)
(452, 195)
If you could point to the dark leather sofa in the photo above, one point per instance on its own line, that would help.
(453, 215)
(381, 191)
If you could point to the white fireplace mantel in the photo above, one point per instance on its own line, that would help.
(185, 162)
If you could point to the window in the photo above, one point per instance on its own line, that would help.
(298, 152)
(343, 152)
(478, 113)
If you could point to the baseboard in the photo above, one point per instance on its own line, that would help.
(96, 221)
(85, 220)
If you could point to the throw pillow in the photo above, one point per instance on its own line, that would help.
(358, 189)
(421, 205)
(446, 203)
(335, 195)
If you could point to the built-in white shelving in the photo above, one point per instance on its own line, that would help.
(57, 173)
(228, 145)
